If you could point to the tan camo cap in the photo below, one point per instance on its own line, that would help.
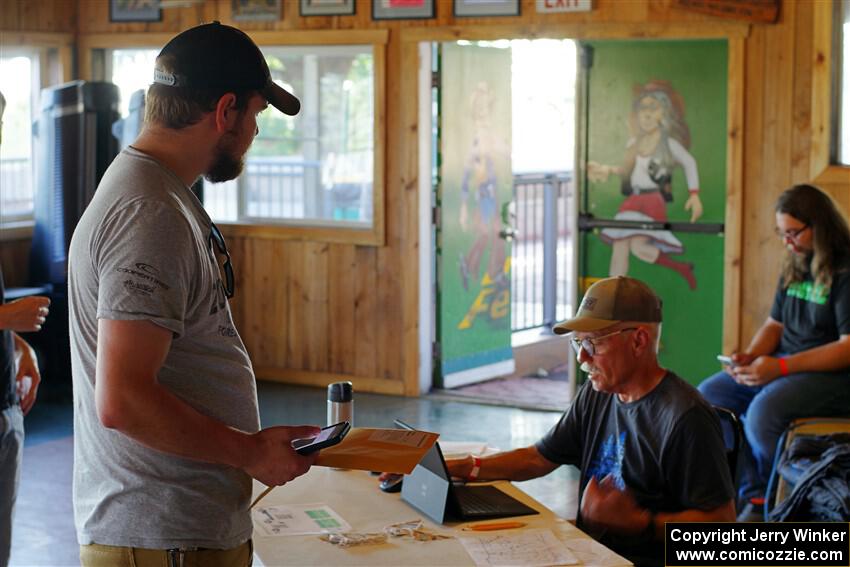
(611, 301)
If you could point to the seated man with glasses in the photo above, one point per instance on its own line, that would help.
(798, 362)
(649, 447)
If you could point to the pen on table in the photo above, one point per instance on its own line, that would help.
(495, 526)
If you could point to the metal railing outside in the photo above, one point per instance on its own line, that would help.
(542, 250)
(288, 189)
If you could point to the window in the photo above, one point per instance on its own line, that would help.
(132, 71)
(317, 167)
(19, 85)
(314, 169)
(27, 65)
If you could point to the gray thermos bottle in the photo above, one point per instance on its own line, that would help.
(340, 403)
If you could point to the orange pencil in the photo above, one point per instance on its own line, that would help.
(496, 526)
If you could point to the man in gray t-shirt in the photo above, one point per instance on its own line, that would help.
(167, 430)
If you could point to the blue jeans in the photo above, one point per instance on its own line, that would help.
(11, 450)
(767, 410)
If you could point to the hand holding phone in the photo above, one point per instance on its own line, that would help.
(726, 360)
(329, 436)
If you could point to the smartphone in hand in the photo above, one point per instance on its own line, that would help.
(327, 437)
(726, 360)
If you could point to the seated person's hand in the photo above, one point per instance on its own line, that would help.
(759, 372)
(742, 358)
(604, 507)
(460, 467)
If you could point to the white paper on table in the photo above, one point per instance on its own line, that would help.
(297, 519)
(453, 449)
(530, 548)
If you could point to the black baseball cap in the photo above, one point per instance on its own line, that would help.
(216, 56)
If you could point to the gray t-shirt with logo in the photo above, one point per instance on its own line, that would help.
(141, 251)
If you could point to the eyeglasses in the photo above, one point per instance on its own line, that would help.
(589, 345)
(229, 280)
(790, 234)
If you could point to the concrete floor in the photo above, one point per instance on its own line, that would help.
(44, 525)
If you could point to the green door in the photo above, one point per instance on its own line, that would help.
(653, 199)
(473, 261)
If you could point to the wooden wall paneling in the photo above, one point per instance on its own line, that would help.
(754, 140)
(734, 197)
(801, 124)
(267, 302)
(296, 343)
(38, 15)
(775, 157)
(778, 97)
(572, 30)
(316, 323)
(366, 308)
(342, 333)
(821, 80)
(409, 151)
(391, 260)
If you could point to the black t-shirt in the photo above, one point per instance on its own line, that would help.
(813, 315)
(7, 360)
(666, 448)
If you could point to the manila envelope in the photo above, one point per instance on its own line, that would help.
(385, 450)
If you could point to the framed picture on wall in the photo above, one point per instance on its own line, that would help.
(134, 11)
(483, 8)
(402, 9)
(327, 7)
(255, 10)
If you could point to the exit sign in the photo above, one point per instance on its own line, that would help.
(552, 6)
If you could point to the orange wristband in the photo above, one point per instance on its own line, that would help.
(476, 468)
(783, 367)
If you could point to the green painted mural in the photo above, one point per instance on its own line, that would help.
(657, 153)
(476, 180)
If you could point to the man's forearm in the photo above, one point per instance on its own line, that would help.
(519, 464)
(166, 423)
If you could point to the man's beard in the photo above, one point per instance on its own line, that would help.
(225, 165)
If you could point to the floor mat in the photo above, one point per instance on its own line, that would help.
(527, 392)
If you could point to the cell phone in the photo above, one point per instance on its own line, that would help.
(726, 360)
(327, 437)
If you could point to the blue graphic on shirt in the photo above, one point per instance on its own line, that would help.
(609, 460)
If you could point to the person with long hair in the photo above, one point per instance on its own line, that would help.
(798, 363)
(659, 143)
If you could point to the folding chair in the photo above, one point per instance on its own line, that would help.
(733, 438)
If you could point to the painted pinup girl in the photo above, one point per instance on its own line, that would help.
(660, 138)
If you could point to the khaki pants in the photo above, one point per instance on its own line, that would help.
(95, 555)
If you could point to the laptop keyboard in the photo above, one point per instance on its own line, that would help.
(488, 502)
(473, 503)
